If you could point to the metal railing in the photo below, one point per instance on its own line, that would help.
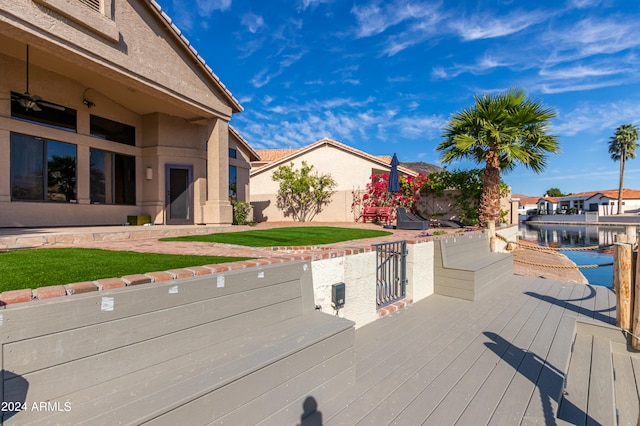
(391, 272)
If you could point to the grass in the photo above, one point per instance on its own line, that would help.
(290, 236)
(53, 266)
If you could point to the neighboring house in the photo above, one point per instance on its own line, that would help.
(547, 205)
(525, 203)
(349, 167)
(128, 118)
(603, 202)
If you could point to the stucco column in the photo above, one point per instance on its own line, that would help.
(217, 209)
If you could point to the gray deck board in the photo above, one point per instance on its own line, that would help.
(626, 390)
(601, 405)
(433, 335)
(574, 404)
(535, 364)
(484, 403)
(493, 356)
(501, 359)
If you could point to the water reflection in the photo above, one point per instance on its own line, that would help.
(566, 236)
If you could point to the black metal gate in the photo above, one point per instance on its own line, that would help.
(391, 272)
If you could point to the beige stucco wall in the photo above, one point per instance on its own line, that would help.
(358, 272)
(68, 31)
(143, 77)
(444, 207)
(348, 170)
(420, 270)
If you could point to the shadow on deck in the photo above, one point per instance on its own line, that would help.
(501, 359)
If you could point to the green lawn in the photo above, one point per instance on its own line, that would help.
(293, 236)
(53, 266)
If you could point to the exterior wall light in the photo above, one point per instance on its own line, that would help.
(149, 173)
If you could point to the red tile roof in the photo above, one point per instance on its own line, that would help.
(278, 156)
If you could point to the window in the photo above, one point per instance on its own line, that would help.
(112, 178)
(49, 114)
(233, 153)
(42, 170)
(112, 130)
(233, 182)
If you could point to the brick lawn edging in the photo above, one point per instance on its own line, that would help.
(297, 253)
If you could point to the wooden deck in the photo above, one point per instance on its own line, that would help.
(499, 360)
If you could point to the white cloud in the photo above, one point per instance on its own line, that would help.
(374, 19)
(590, 37)
(563, 87)
(482, 66)
(581, 71)
(581, 4)
(486, 26)
(312, 3)
(344, 119)
(206, 7)
(252, 21)
(590, 118)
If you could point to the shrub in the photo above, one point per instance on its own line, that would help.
(241, 211)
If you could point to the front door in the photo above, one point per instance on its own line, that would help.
(179, 194)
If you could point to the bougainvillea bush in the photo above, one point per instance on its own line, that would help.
(376, 193)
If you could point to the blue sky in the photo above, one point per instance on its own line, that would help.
(385, 76)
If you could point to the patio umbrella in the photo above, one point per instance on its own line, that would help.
(394, 179)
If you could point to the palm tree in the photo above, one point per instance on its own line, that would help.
(501, 131)
(622, 146)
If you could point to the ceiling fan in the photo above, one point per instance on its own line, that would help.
(29, 101)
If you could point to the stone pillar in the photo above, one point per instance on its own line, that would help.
(217, 209)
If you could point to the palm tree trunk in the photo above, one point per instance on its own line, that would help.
(490, 198)
(621, 185)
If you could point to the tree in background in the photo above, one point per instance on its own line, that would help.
(463, 188)
(502, 131)
(554, 192)
(302, 193)
(622, 147)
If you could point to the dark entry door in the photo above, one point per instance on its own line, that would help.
(179, 195)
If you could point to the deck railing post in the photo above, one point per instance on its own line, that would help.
(622, 282)
(491, 232)
(635, 341)
(630, 230)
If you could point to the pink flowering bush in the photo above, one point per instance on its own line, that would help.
(377, 194)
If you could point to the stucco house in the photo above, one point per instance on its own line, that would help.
(349, 167)
(604, 202)
(107, 111)
(601, 203)
(547, 205)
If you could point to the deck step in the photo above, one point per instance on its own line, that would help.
(601, 386)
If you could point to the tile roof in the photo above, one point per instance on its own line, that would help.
(526, 200)
(281, 155)
(270, 155)
(627, 194)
